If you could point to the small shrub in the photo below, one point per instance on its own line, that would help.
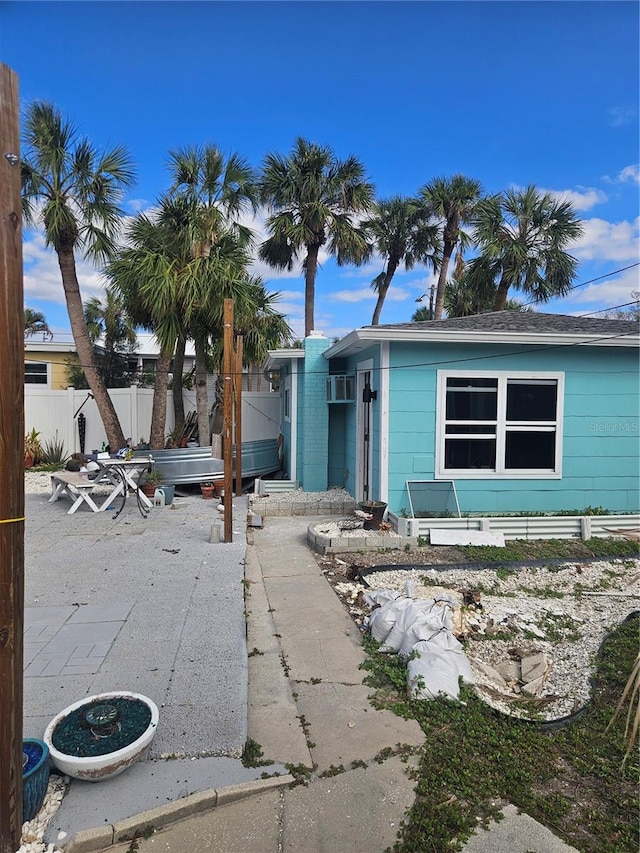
(53, 451)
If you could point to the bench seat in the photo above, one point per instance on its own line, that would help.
(76, 486)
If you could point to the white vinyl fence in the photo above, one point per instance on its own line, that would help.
(51, 412)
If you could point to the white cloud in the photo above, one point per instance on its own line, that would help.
(286, 295)
(42, 277)
(630, 174)
(605, 294)
(361, 294)
(138, 205)
(608, 241)
(584, 198)
(619, 116)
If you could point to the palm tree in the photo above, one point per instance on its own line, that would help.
(522, 236)
(399, 232)
(313, 198)
(145, 275)
(452, 202)
(421, 314)
(75, 191)
(111, 321)
(465, 296)
(212, 193)
(184, 261)
(35, 323)
(218, 192)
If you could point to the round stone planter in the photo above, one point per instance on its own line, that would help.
(35, 776)
(95, 768)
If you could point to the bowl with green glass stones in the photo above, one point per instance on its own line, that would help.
(101, 736)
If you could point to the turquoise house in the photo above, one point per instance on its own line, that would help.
(497, 413)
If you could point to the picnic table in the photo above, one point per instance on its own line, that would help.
(119, 475)
(124, 475)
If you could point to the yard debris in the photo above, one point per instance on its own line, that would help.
(549, 619)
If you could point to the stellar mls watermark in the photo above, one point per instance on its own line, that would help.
(614, 426)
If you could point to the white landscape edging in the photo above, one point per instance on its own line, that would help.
(524, 527)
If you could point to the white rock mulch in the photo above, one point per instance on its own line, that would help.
(564, 612)
(32, 840)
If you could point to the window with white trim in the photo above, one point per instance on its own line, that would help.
(287, 398)
(36, 373)
(499, 424)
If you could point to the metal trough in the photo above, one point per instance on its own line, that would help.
(196, 464)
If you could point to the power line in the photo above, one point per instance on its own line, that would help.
(532, 348)
(600, 277)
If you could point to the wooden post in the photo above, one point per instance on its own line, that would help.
(237, 407)
(12, 467)
(227, 431)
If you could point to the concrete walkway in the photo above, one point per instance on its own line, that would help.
(182, 642)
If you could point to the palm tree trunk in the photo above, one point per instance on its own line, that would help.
(67, 263)
(216, 429)
(311, 267)
(159, 410)
(442, 280)
(382, 292)
(501, 295)
(178, 396)
(202, 403)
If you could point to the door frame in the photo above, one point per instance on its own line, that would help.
(363, 369)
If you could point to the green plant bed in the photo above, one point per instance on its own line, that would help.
(572, 780)
(543, 549)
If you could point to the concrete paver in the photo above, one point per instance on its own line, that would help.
(182, 642)
(236, 828)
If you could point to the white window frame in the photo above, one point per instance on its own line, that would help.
(286, 399)
(500, 472)
(46, 364)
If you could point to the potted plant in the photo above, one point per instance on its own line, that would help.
(32, 448)
(374, 508)
(207, 488)
(150, 483)
(35, 776)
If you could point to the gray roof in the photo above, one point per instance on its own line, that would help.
(522, 321)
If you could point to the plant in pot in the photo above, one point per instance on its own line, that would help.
(150, 483)
(208, 490)
(376, 510)
(32, 448)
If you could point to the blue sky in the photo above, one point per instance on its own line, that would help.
(510, 93)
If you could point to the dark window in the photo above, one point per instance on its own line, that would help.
(36, 374)
(500, 424)
(531, 400)
(530, 450)
(472, 399)
(470, 453)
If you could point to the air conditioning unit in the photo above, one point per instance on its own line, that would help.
(341, 389)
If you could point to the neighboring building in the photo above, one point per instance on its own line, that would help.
(45, 362)
(522, 411)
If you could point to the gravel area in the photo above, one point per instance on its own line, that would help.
(563, 612)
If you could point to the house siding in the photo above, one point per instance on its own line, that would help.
(57, 367)
(600, 426)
